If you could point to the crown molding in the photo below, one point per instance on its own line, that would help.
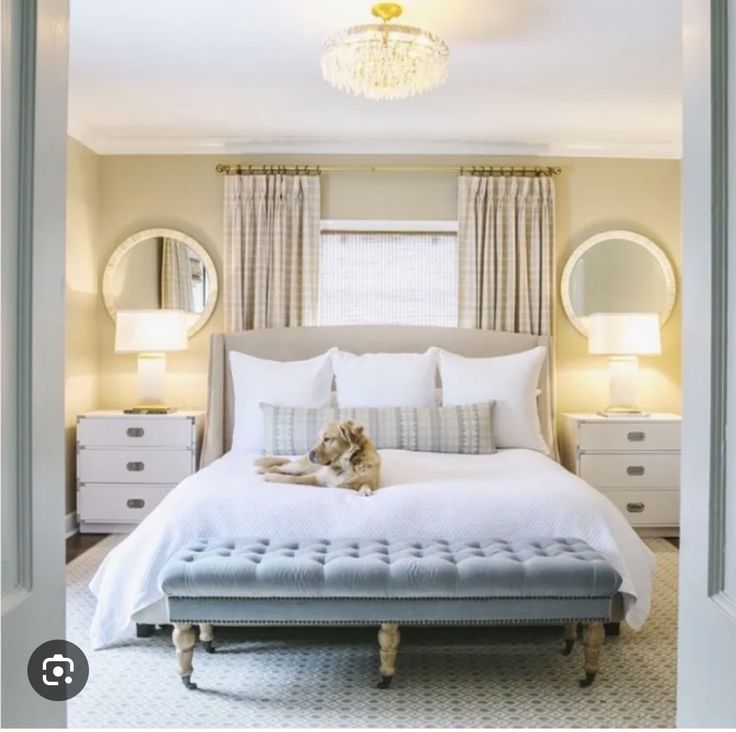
(104, 144)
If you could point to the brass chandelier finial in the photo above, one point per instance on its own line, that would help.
(387, 11)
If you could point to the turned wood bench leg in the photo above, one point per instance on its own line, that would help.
(207, 636)
(594, 637)
(388, 640)
(185, 638)
(571, 635)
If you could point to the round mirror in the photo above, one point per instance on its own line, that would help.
(161, 268)
(617, 272)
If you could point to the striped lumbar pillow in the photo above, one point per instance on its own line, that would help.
(460, 428)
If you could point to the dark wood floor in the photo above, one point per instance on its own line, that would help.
(79, 543)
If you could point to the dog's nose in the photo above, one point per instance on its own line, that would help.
(311, 456)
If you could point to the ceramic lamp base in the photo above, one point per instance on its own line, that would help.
(623, 374)
(151, 378)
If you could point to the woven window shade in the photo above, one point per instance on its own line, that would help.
(388, 278)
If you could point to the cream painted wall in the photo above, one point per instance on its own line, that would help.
(83, 259)
(184, 192)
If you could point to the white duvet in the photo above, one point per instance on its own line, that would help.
(512, 494)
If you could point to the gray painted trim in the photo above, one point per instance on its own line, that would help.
(24, 303)
(17, 283)
(719, 306)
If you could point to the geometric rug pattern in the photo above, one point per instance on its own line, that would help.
(325, 677)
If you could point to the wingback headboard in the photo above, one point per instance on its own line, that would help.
(294, 344)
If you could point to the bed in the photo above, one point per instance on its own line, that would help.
(509, 494)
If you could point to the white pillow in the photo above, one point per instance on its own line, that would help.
(385, 379)
(511, 381)
(286, 383)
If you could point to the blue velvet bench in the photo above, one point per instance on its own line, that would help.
(253, 581)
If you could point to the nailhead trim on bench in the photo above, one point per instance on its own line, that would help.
(415, 598)
(379, 621)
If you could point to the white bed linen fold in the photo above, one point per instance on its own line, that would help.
(511, 494)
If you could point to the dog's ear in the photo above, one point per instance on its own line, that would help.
(351, 432)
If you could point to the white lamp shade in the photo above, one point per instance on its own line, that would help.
(151, 331)
(624, 334)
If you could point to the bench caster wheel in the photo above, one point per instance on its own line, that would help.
(588, 680)
(144, 630)
(208, 647)
(385, 682)
(188, 683)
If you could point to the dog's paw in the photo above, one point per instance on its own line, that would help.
(365, 491)
(260, 469)
(272, 477)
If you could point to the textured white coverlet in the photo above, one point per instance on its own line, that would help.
(511, 494)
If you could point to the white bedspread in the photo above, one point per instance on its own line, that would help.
(512, 494)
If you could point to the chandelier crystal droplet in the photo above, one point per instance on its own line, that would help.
(385, 61)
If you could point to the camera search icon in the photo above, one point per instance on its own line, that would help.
(58, 670)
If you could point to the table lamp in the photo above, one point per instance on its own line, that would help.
(623, 337)
(150, 333)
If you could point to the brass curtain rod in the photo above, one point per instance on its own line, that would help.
(509, 170)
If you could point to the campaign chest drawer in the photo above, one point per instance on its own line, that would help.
(150, 465)
(115, 503)
(131, 431)
(630, 471)
(647, 508)
(629, 436)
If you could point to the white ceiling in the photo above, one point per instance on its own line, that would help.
(555, 77)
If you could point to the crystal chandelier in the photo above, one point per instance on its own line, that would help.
(385, 61)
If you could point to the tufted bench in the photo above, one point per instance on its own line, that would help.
(253, 581)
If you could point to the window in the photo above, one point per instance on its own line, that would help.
(388, 278)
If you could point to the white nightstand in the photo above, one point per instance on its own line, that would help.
(127, 463)
(634, 461)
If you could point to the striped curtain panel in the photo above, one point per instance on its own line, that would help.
(506, 249)
(271, 250)
(176, 276)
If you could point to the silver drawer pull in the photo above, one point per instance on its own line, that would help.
(635, 470)
(635, 436)
(635, 507)
(134, 432)
(135, 467)
(136, 503)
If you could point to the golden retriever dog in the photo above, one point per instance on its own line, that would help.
(344, 457)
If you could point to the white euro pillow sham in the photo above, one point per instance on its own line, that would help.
(385, 379)
(286, 383)
(511, 381)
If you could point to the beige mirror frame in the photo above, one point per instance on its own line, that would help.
(653, 249)
(134, 239)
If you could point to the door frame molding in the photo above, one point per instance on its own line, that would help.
(719, 294)
(17, 306)
(34, 145)
(719, 307)
(707, 612)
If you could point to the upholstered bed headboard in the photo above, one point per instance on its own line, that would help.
(293, 344)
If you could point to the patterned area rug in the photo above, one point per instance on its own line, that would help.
(317, 677)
